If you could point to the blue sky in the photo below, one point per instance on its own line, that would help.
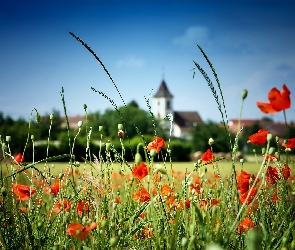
(250, 43)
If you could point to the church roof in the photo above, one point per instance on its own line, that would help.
(163, 91)
(187, 119)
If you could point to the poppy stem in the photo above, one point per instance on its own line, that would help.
(286, 123)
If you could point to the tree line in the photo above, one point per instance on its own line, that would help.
(137, 123)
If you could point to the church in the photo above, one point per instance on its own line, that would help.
(183, 121)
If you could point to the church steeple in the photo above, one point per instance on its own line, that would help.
(163, 104)
(163, 91)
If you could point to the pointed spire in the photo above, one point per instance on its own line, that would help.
(163, 91)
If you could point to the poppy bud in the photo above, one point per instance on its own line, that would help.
(153, 152)
(108, 146)
(51, 117)
(84, 106)
(211, 141)
(271, 150)
(38, 118)
(184, 241)
(138, 159)
(160, 169)
(80, 123)
(114, 241)
(244, 94)
(104, 224)
(8, 138)
(100, 128)
(120, 126)
(269, 137)
(121, 133)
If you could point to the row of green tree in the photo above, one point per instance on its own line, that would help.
(139, 126)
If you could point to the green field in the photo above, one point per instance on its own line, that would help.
(224, 167)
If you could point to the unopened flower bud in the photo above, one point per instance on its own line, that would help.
(160, 169)
(184, 241)
(121, 133)
(269, 137)
(51, 117)
(271, 150)
(38, 118)
(120, 126)
(153, 152)
(114, 241)
(100, 128)
(108, 146)
(8, 138)
(80, 123)
(84, 106)
(211, 141)
(244, 94)
(138, 159)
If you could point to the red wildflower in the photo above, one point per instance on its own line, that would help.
(272, 175)
(196, 186)
(58, 205)
(168, 193)
(243, 196)
(23, 192)
(18, 158)
(207, 156)
(140, 171)
(82, 205)
(278, 101)
(142, 195)
(289, 144)
(79, 231)
(244, 181)
(245, 224)
(54, 188)
(259, 138)
(156, 144)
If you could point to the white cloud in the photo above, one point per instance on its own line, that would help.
(130, 62)
(193, 35)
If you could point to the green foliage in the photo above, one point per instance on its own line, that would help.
(203, 132)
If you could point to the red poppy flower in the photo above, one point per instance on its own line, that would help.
(278, 101)
(290, 143)
(156, 144)
(53, 189)
(82, 205)
(207, 156)
(140, 171)
(259, 138)
(58, 205)
(245, 224)
(18, 158)
(272, 175)
(243, 196)
(79, 231)
(244, 180)
(23, 192)
(142, 195)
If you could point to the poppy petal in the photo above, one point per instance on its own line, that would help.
(266, 108)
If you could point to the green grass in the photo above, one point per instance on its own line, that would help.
(225, 167)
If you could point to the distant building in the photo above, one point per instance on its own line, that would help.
(183, 121)
(276, 128)
(73, 121)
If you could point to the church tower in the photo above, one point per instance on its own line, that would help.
(163, 104)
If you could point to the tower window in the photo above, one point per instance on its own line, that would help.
(168, 105)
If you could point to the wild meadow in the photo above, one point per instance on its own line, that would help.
(106, 202)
